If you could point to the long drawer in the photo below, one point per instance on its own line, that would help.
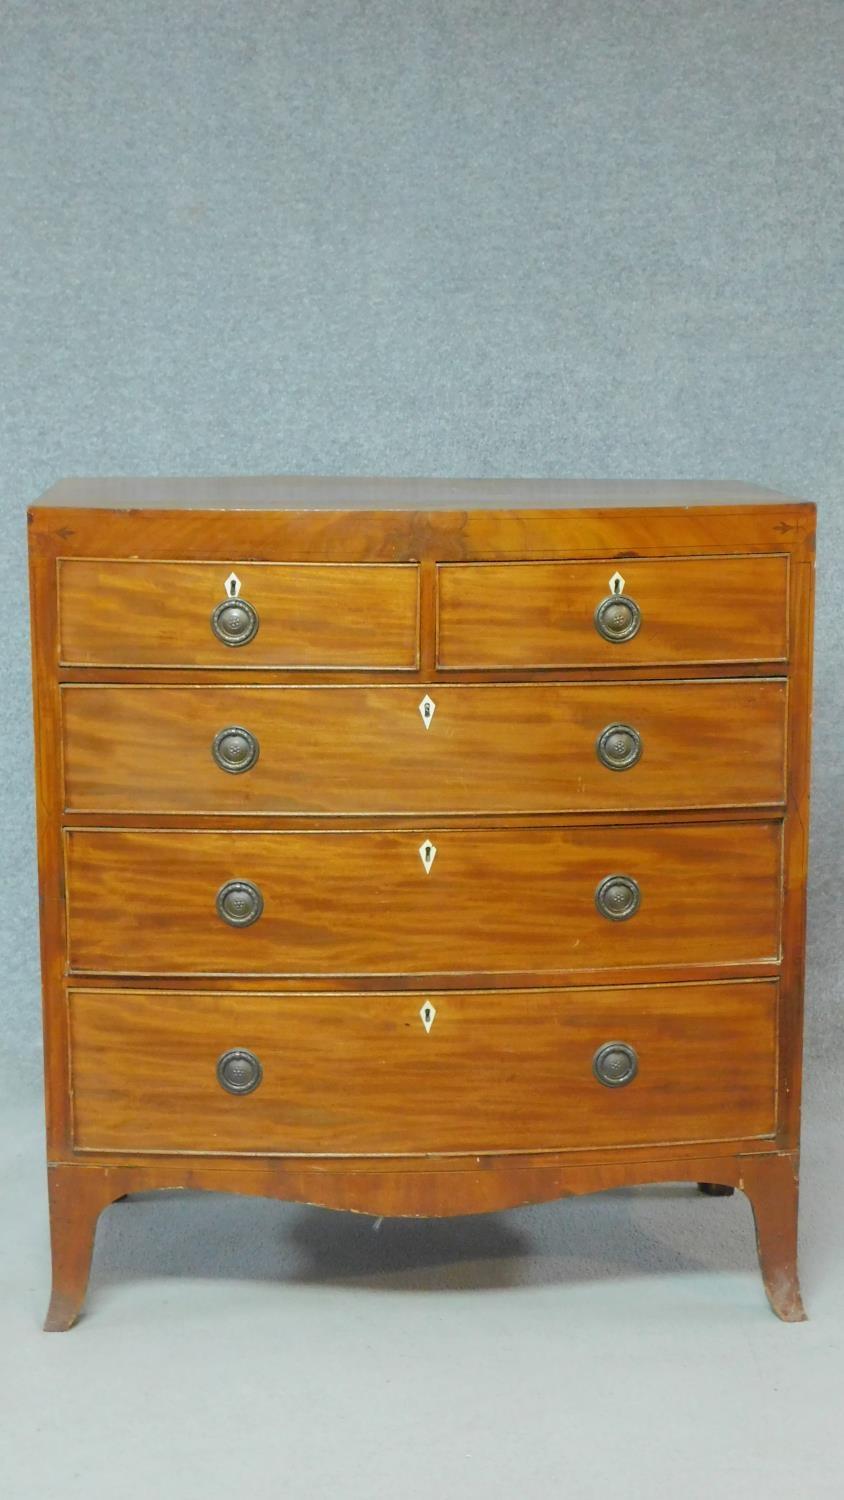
(362, 1073)
(671, 611)
(240, 616)
(461, 749)
(424, 901)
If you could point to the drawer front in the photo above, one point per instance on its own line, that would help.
(423, 901)
(518, 749)
(683, 610)
(180, 614)
(362, 1074)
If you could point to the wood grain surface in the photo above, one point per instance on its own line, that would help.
(341, 492)
(359, 1073)
(366, 750)
(144, 902)
(541, 614)
(159, 614)
(79, 1193)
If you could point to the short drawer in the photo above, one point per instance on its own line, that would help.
(424, 901)
(632, 613)
(238, 616)
(366, 1074)
(441, 748)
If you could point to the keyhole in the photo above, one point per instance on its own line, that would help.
(428, 1015)
(427, 710)
(427, 854)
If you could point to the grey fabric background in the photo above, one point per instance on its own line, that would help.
(443, 237)
(591, 237)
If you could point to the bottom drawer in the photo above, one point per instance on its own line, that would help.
(362, 1074)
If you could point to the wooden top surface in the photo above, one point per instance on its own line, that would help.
(313, 492)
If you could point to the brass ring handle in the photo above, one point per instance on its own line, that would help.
(619, 747)
(618, 618)
(239, 903)
(235, 622)
(239, 1071)
(615, 1064)
(618, 897)
(235, 750)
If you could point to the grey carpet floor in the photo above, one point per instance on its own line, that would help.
(616, 1344)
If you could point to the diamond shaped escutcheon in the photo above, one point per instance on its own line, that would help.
(427, 854)
(428, 1015)
(427, 709)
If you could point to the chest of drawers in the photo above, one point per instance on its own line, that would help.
(421, 847)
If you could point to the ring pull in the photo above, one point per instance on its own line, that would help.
(234, 749)
(239, 1071)
(615, 1064)
(618, 898)
(239, 903)
(619, 747)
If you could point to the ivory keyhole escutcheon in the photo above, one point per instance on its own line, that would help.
(427, 709)
(427, 854)
(428, 1014)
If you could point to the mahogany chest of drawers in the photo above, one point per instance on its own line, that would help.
(421, 847)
